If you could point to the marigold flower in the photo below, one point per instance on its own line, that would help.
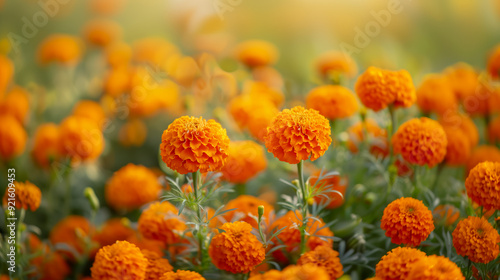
(458, 149)
(407, 221)
(161, 222)
(66, 232)
(305, 272)
(102, 32)
(476, 239)
(117, 81)
(131, 187)
(325, 257)
(255, 53)
(420, 141)
(52, 266)
(463, 123)
(81, 139)
(246, 159)
(60, 48)
(269, 76)
(157, 266)
(190, 144)
(260, 90)
(482, 153)
(16, 103)
(463, 78)
(143, 243)
(118, 54)
(27, 196)
(377, 137)
(147, 96)
(7, 72)
(113, 230)
(332, 101)
(484, 100)
(272, 274)
(121, 260)
(298, 134)
(13, 137)
(483, 185)
(427, 99)
(153, 50)
(494, 130)
(435, 268)
(446, 214)
(330, 182)
(182, 275)
(183, 69)
(378, 88)
(106, 7)
(91, 110)
(494, 63)
(245, 207)
(133, 133)
(46, 147)
(334, 62)
(397, 263)
(236, 249)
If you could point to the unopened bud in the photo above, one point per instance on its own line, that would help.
(92, 198)
(260, 210)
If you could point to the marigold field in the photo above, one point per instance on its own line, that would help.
(250, 140)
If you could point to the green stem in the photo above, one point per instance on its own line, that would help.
(438, 173)
(302, 185)
(241, 189)
(19, 232)
(196, 183)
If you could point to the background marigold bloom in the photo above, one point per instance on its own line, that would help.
(27, 196)
(157, 266)
(494, 130)
(101, 32)
(133, 133)
(377, 137)
(16, 103)
(462, 122)
(246, 159)
(60, 48)
(161, 222)
(65, 231)
(91, 110)
(236, 249)
(420, 141)
(298, 134)
(485, 99)
(330, 182)
(144, 243)
(153, 50)
(182, 69)
(483, 185)
(131, 187)
(113, 230)
(246, 205)
(117, 81)
(435, 268)
(333, 102)
(147, 98)
(182, 275)
(13, 137)
(259, 90)
(255, 53)
(463, 78)
(446, 214)
(305, 272)
(325, 257)
(268, 76)
(482, 153)
(106, 7)
(378, 88)
(494, 63)
(118, 54)
(407, 221)
(52, 266)
(476, 239)
(427, 99)
(190, 144)
(46, 147)
(458, 149)
(81, 139)
(397, 263)
(272, 274)
(121, 260)
(6, 73)
(334, 62)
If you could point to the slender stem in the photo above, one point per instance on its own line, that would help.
(300, 167)
(196, 183)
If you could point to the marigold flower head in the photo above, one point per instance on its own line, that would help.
(483, 185)
(482, 153)
(435, 268)
(332, 101)
(113, 230)
(182, 275)
(190, 144)
(476, 239)
(260, 90)
(52, 266)
(458, 149)
(427, 99)
(157, 266)
(13, 137)
(325, 257)
(245, 207)
(268, 76)
(7, 72)
(407, 221)
(102, 32)
(463, 79)
(161, 222)
(153, 50)
(46, 147)
(377, 137)
(16, 103)
(246, 159)
(91, 110)
(255, 53)
(26, 195)
(72, 230)
(305, 272)
(484, 100)
(420, 141)
(494, 63)
(118, 54)
(182, 69)
(272, 274)
(117, 82)
(144, 243)
(81, 138)
(298, 134)
(236, 249)
(131, 187)
(378, 88)
(121, 260)
(494, 130)
(106, 7)
(397, 263)
(149, 96)
(446, 214)
(133, 133)
(334, 62)
(60, 48)
(330, 182)
(463, 123)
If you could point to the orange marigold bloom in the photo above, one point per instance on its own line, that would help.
(377, 137)
(143, 243)
(117, 81)
(420, 141)
(305, 272)
(298, 134)
(255, 53)
(334, 62)
(458, 149)
(246, 159)
(106, 7)
(113, 230)
(81, 138)
(52, 266)
(407, 221)
(118, 54)
(102, 32)
(483, 185)
(332, 101)
(13, 137)
(27, 196)
(236, 249)
(66, 232)
(182, 69)
(484, 100)
(272, 274)
(330, 182)
(245, 207)
(463, 79)
(60, 48)
(133, 133)
(427, 99)
(269, 76)
(325, 257)
(121, 260)
(494, 63)
(16, 103)
(435, 268)
(157, 266)
(378, 88)
(482, 153)
(46, 147)
(446, 214)
(6, 73)
(494, 130)
(131, 187)
(260, 90)
(161, 222)
(153, 50)
(182, 275)
(91, 110)
(463, 123)
(397, 263)
(190, 144)
(476, 239)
